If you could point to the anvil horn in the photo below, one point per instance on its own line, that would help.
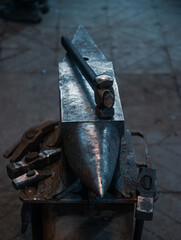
(92, 151)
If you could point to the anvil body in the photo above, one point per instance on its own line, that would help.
(91, 144)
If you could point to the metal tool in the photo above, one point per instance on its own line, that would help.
(91, 145)
(101, 84)
(28, 179)
(30, 141)
(33, 160)
(146, 193)
(97, 167)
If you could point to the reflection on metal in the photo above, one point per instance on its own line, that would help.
(33, 160)
(86, 165)
(28, 179)
(91, 144)
(76, 95)
(101, 84)
(92, 151)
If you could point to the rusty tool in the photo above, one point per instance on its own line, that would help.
(30, 141)
(146, 193)
(33, 160)
(28, 179)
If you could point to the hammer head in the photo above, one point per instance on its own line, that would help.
(104, 81)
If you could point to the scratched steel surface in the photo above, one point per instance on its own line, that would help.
(76, 96)
(92, 152)
(86, 137)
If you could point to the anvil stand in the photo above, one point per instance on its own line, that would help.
(131, 193)
(46, 214)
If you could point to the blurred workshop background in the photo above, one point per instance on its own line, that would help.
(143, 39)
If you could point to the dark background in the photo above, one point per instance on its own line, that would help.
(143, 39)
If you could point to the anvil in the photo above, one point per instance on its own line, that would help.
(91, 145)
(83, 165)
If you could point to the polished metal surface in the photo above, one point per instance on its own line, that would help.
(91, 144)
(92, 150)
(101, 84)
(76, 95)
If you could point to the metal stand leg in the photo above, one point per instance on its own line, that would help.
(138, 229)
(37, 222)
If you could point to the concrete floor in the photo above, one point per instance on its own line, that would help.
(143, 39)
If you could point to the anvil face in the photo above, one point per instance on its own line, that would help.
(77, 110)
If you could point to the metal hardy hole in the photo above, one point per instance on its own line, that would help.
(86, 58)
